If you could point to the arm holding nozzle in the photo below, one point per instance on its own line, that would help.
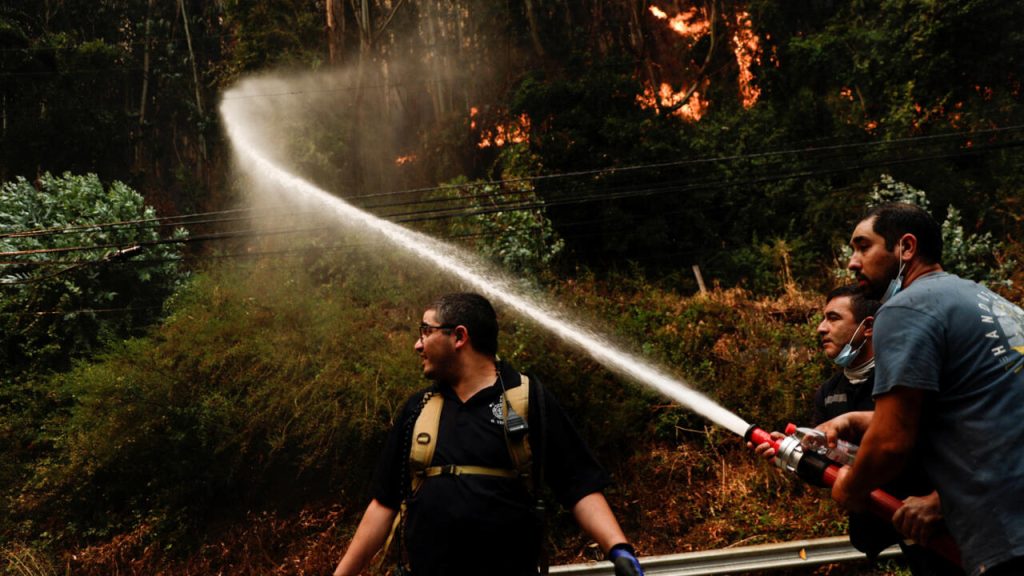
(766, 449)
(850, 427)
(920, 517)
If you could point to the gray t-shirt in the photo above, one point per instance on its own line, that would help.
(965, 345)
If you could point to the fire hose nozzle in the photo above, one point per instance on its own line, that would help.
(756, 435)
(815, 467)
(788, 451)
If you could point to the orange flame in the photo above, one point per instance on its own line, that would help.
(689, 24)
(747, 47)
(514, 131)
(955, 117)
(403, 160)
(692, 24)
(666, 97)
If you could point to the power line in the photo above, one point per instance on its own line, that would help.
(699, 161)
(185, 240)
(447, 213)
(183, 220)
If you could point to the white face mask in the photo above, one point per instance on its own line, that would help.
(896, 284)
(848, 354)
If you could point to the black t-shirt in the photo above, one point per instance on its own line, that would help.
(838, 396)
(477, 524)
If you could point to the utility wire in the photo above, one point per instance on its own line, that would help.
(702, 161)
(510, 206)
(185, 240)
(184, 220)
(515, 206)
(162, 221)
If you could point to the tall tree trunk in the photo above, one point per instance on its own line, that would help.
(137, 156)
(335, 31)
(145, 64)
(437, 94)
(195, 76)
(531, 19)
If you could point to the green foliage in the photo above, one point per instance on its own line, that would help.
(972, 256)
(756, 357)
(520, 240)
(269, 387)
(245, 392)
(17, 559)
(279, 34)
(70, 266)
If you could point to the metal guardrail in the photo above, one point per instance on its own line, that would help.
(762, 557)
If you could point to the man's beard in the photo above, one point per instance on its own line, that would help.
(875, 288)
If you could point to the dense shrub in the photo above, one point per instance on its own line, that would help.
(271, 387)
(86, 264)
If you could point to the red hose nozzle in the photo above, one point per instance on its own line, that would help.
(757, 436)
(818, 470)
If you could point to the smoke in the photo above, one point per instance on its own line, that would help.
(341, 129)
(253, 116)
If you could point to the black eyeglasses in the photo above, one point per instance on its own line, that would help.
(428, 329)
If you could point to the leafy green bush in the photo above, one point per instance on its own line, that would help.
(978, 256)
(261, 388)
(506, 222)
(74, 279)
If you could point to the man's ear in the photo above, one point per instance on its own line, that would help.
(869, 326)
(908, 247)
(460, 333)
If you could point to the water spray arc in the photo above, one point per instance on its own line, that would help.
(447, 258)
(252, 158)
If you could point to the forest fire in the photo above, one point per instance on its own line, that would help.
(747, 47)
(689, 24)
(513, 131)
(694, 25)
(693, 109)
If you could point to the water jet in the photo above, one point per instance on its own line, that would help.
(252, 156)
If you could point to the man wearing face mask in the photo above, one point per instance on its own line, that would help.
(949, 385)
(845, 333)
(845, 337)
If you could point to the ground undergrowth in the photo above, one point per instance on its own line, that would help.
(239, 437)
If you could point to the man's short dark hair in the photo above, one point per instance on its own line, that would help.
(475, 313)
(894, 219)
(860, 304)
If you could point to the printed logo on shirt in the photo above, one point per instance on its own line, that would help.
(837, 398)
(497, 413)
(997, 311)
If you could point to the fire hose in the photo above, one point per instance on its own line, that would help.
(803, 452)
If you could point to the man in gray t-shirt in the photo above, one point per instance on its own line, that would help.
(949, 380)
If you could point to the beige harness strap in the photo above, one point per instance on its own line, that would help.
(424, 440)
(452, 470)
(519, 449)
(424, 443)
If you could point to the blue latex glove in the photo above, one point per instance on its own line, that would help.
(624, 558)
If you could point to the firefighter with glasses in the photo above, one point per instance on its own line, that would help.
(456, 491)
